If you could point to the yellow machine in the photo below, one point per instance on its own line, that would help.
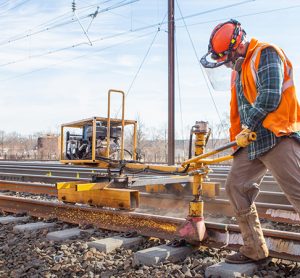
(96, 141)
(100, 141)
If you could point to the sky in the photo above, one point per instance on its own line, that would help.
(56, 69)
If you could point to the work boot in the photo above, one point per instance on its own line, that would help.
(254, 247)
(239, 258)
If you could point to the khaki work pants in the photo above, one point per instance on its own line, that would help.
(242, 185)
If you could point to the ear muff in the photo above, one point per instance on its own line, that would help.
(225, 38)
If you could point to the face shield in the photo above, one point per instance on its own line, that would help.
(218, 76)
(211, 60)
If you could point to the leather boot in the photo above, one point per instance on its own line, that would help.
(254, 247)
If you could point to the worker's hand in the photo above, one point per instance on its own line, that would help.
(243, 139)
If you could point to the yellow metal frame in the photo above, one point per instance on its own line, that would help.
(109, 122)
(122, 121)
(98, 194)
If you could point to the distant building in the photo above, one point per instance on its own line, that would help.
(48, 147)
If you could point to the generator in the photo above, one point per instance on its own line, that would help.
(97, 140)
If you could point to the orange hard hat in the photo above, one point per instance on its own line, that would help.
(224, 39)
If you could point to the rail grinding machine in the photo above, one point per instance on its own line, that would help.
(100, 141)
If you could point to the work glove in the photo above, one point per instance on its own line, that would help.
(244, 138)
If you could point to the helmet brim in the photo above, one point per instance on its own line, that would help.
(212, 63)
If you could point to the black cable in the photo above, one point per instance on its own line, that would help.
(4, 4)
(143, 60)
(179, 93)
(69, 13)
(115, 6)
(198, 61)
(78, 57)
(212, 10)
(240, 16)
(16, 6)
(190, 143)
(84, 43)
(16, 38)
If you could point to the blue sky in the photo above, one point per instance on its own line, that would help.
(42, 87)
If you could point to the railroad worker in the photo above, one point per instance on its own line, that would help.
(263, 100)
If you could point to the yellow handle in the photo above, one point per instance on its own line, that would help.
(252, 136)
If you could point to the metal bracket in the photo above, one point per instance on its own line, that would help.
(98, 194)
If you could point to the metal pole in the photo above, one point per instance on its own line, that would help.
(171, 102)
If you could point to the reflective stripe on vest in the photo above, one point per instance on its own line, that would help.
(286, 118)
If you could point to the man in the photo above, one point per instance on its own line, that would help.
(263, 100)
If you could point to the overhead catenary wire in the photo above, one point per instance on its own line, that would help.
(26, 36)
(80, 44)
(242, 15)
(124, 16)
(5, 3)
(89, 53)
(179, 94)
(203, 73)
(14, 7)
(143, 60)
(213, 10)
(92, 41)
(145, 56)
(99, 39)
(59, 17)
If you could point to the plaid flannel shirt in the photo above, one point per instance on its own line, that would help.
(269, 84)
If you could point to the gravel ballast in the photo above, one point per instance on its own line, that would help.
(29, 254)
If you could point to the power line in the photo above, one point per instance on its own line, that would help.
(92, 41)
(145, 56)
(120, 4)
(143, 61)
(82, 43)
(69, 13)
(78, 57)
(14, 7)
(51, 21)
(4, 4)
(179, 96)
(195, 52)
(243, 15)
(213, 10)
(17, 38)
(139, 69)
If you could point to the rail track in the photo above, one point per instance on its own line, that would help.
(149, 225)
(36, 254)
(272, 206)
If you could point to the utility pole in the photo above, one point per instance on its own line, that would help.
(171, 84)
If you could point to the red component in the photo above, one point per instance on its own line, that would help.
(193, 230)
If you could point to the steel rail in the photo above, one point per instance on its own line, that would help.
(284, 245)
(43, 165)
(71, 168)
(52, 173)
(48, 175)
(221, 207)
(171, 203)
(26, 187)
(38, 178)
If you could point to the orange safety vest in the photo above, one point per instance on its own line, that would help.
(286, 118)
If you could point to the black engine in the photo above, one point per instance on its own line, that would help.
(79, 146)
